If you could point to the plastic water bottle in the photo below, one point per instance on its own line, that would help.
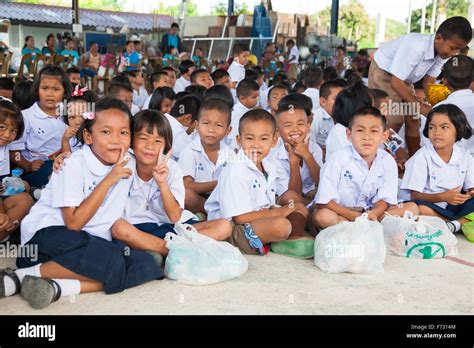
(13, 184)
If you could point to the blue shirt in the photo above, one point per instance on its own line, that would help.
(173, 40)
(66, 53)
(132, 58)
(27, 50)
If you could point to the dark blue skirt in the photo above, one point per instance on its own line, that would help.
(451, 212)
(160, 231)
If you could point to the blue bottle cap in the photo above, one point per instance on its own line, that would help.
(17, 172)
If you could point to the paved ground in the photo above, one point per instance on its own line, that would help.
(276, 284)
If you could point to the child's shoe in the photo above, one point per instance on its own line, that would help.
(40, 292)
(302, 248)
(468, 230)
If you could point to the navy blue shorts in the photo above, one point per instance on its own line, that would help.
(111, 263)
(452, 212)
(41, 177)
(88, 72)
(160, 231)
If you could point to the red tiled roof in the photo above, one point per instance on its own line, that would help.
(94, 18)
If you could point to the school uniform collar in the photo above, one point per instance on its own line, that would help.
(38, 113)
(223, 154)
(239, 105)
(139, 184)
(92, 162)
(460, 93)
(268, 167)
(359, 158)
(326, 116)
(430, 51)
(174, 121)
(455, 159)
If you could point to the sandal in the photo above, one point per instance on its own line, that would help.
(302, 248)
(40, 292)
(9, 273)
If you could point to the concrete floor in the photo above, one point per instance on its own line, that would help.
(276, 284)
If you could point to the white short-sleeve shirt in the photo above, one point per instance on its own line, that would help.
(321, 126)
(75, 144)
(313, 93)
(410, 57)
(294, 52)
(4, 160)
(241, 189)
(195, 163)
(426, 172)
(236, 71)
(237, 113)
(69, 188)
(146, 104)
(140, 97)
(282, 163)
(145, 194)
(336, 140)
(181, 139)
(264, 98)
(181, 84)
(347, 180)
(42, 134)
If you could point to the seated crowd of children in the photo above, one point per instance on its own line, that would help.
(264, 168)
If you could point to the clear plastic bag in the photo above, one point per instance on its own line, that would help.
(420, 237)
(195, 259)
(354, 247)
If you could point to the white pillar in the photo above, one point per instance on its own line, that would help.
(423, 17)
(380, 29)
(409, 18)
(470, 13)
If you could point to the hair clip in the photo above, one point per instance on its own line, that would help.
(88, 115)
(5, 99)
(79, 92)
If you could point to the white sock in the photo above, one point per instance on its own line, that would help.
(10, 286)
(32, 271)
(68, 286)
(457, 225)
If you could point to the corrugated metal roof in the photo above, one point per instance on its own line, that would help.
(63, 15)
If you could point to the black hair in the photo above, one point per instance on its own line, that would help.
(196, 72)
(69, 39)
(186, 105)
(377, 94)
(174, 25)
(246, 87)
(27, 38)
(330, 73)
(276, 87)
(251, 74)
(313, 75)
(8, 110)
(363, 52)
(88, 97)
(256, 115)
(326, 87)
(240, 48)
(456, 27)
(456, 116)
(217, 105)
(52, 71)
(185, 65)
(197, 90)
(6, 83)
(159, 95)
(182, 94)
(458, 72)
(220, 92)
(22, 95)
(128, 42)
(259, 70)
(49, 37)
(298, 85)
(348, 101)
(290, 42)
(288, 107)
(149, 120)
(129, 73)
(168, 68)
(340, 47)
(155, 77)
(352, 77)
(218, 74)
(102, 104)
(120, 82)
(73, 70)
(298, 99)
(365, 111)
(278, 78)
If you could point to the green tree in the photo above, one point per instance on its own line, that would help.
(174, 10)
(453, 8)
(110, 5)
(221, 9)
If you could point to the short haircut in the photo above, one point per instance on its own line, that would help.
(102, 104)
(197, 90)
(22, 94)
(313, 75)
(456, 27)
(52, 71)
(160, 94)
(290, 42)
(195, 73)
(350, 100)
(188, 104)
(368, 110)
(218, 74)
(156, 77)
(278, 78)
(270, 91)
(458, 72)
(456, 116)
(129, 74)
(69, 39)
(298, 99)
(168, 68)
(220, 92)
(326, 87)
(128, 42)
(174, 25)
(120, 82)
(185, 65)
(6, 83)
(377, 94)
(298, 85)
(288, 107)
(8, 110)
(73, 70)
(251, 74)
(149, 120)
(246, 87)
(330, 73)
(240, 48)
(217, 105)
(352, 77)
(256, 115)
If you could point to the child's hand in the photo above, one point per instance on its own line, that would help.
(294, 159)
(70, 132)
(59, 163)
(425, 109)
(455, 197)
(35, 165)
(300, 147)
(283, 211)
(160, 172)
(119, 171)
(6, 224)
(371, 216)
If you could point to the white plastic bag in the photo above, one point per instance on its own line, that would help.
(354, 247)
(419, 237)
(195, 259)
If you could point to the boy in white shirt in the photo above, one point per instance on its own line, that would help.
(245, 192)
(313, 78)
(236, 70)
(201, 77)
(157, 80)
(121, 88)
(412, 57)
(186, 68)
(201, 158)
(171, 75)
(275, 95)
(361, 178)
(292, 61)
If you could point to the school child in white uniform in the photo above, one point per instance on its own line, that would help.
(245, 191)
(162, 100)
(236, 69)
(298, 159)
(440, 176)
(313, 78)
(186, 68)
(44, 128)
(200, 159)
(275, 95)
(12, 208)
(71, 222)
(361, 178)
(156, 199)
